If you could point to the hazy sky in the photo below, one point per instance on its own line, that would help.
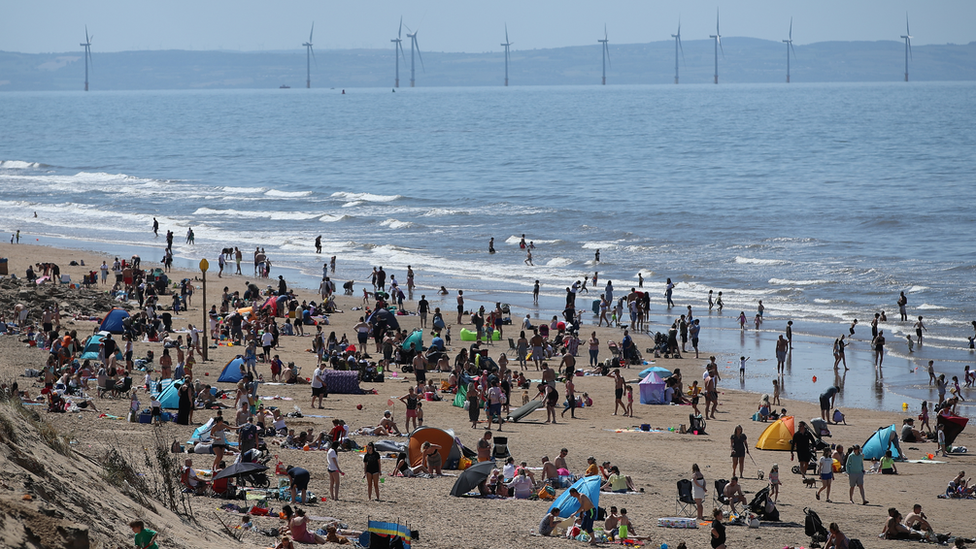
(34, 26)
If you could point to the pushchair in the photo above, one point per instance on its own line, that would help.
(762, 507)
(258, 479)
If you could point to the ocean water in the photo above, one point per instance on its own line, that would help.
(825, 201)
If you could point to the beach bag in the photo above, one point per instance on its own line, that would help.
(464, 463)
(547, 493)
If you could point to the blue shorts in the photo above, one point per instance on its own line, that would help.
(826, 476)
(587, 525)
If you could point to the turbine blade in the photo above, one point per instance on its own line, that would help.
(716, 22)
(721, 47)
(910, 55)
(606, 48)
(400, 32)
(87, 39)
(418, 54)
(312, 50)
(506, 33)
(791, 29)
(792, 48)
(679, 29)
(907, 30)
(680, 47)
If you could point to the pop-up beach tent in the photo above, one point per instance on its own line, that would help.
(652, 389)
(417, 338)
(113, 321)
(879, 443)
(170, 397)
(778, 435)
(588, 486)
(445, 439)
(951, 426)
(232, 371)
(91, 348)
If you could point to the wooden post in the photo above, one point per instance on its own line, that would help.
(204, 265)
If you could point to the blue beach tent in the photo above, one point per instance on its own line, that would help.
(113, 321)
(567, 504)
(879, 443)
(170, 397)
(232, 371)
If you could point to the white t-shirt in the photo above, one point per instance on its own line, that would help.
(509, 470)
(826, 465)
(333, 460)
(267, 339)
(317, 378)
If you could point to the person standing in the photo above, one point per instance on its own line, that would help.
(460, 307)
(902, 307)
(423, 307)
(718, 530)
(698, 489)
(855, 472)
(570, 398)
(878, 344)
(618, 391)
(782, 345)
(334, 473)
(587, 513)
(474, 404)
(918, 331)
(839, 345)
(826, 467)
(318, 244)
(803, 445)
(694, 330)
(155, 227)
(535, 293)
(318, 385)
(238, 256)
(372, 471)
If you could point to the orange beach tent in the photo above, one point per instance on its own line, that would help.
(778, 435)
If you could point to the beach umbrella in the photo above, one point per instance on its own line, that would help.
(242, 468)
(663, 372)
(471, 477)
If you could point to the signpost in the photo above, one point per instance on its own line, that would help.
(204, 265)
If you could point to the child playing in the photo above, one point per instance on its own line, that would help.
(447, 335)
(695, 391)
(911, 343)
(758, 320)
(774, 482)
(157, 409)
(629, 412)
(776, 401)
(742, 364)
(145, 538)
(742, 320)
(924, 417)
(420, 414)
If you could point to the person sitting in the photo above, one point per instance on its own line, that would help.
(189, 478)
(615, 482)
(836, 539)
(908, 432)
(894, 529)
(918, 522)
(521, 485)
(549, 522)
(549, 472)
(959, 486)
(888, 464)
(388, 424)
(733, 492)
(403, 468)
(610, 525)
(764, 408)
(496, 484)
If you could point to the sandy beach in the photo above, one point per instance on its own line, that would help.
(655, 460)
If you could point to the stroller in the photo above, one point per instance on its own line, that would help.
(258, 479)
(763, 507)
(813, 527)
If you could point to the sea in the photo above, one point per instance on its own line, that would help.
(822, 200)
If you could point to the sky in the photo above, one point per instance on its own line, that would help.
(37, 26)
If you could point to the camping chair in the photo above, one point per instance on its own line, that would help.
(65, 279)
(511, 344)
(685, 499)
(223, 488)
(122, 390)
(500, 451)
(107, 388)
(721, 501)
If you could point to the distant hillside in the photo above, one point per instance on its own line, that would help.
(746, 60)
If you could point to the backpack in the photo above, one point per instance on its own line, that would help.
(854, 544)
(697, 423)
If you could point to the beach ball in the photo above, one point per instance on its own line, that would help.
(814, 379)
(306, 448)
(359, 406)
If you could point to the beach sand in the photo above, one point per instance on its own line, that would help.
(656, 461)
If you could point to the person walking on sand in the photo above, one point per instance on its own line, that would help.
(372, 471)
(570, 399)
(854, 466)
(334, 473)
(740, 448)
(826, 468)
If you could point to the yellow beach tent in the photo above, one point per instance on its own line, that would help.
(778, 435)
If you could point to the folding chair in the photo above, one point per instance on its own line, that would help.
(500, 451)
(511, 344)
(721, 501)
(685, 500)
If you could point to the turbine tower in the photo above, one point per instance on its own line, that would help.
(718, 44)
(414, 46)
(677, 46)
(87, 46)
(398, 52)
(789, 47)
(309, 53)
(606, 53)
(507, 44)
(907, 37)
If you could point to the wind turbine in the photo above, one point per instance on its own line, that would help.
(398, 52)
(309, 54)
(87, 46)
(414, 46)
(677, 45)
(907, 37)
(606, 53)
(718, 44)
(789, 46)
(507, 44)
